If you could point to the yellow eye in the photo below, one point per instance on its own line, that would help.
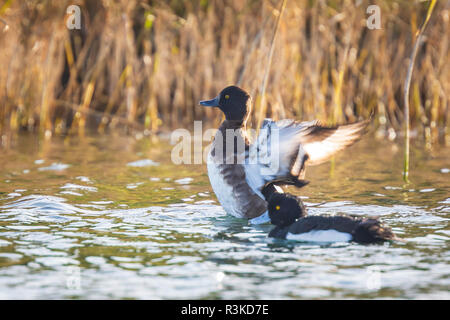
(277, 207)
(227, 96)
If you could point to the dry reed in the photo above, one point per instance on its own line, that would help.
(146, 64)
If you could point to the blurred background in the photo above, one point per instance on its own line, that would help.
(144, 65)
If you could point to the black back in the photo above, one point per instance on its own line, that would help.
(339, 223)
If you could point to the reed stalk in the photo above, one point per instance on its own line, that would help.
(262, 95)
(418, 40)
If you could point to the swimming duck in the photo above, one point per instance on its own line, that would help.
(282, 150)
(288, 214)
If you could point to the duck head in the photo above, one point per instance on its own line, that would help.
(234, 102)
(285, 209)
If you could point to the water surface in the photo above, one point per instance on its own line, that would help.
(112, 217)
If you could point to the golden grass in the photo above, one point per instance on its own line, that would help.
(145, 65)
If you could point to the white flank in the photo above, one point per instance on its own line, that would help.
(223, 191)
(320, 236)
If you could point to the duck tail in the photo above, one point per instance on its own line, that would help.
(372, 231)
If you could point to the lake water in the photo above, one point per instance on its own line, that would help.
(111, 217)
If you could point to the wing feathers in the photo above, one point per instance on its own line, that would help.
(297, 144)
(320, 143)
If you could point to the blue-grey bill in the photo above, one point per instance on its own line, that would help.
(264, 218)
(210, 103)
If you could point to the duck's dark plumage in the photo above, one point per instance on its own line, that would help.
(288, 214)
(280, 203)
(362, 230)
(371, 231)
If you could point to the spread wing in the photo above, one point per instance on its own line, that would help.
(283, 148)
(320, 142)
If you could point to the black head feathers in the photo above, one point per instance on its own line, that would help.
(234, 102)
(285, 209)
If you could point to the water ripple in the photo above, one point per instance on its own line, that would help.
(113, 229)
